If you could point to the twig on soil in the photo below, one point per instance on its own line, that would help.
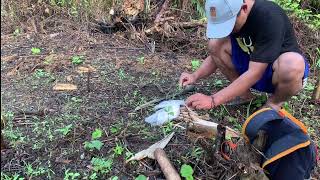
(35, 67)
(116, 48)
(88, 81)
(189, 24)
(14, 70)
(145, 165)
(234, 175)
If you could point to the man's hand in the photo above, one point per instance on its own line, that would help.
(200, 101)
(186, 79)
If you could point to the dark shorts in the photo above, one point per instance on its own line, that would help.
(240, 60)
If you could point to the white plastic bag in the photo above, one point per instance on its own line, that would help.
(166, 111)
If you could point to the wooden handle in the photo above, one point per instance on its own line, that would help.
(166, 167)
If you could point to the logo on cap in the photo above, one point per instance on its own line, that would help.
(213, 12)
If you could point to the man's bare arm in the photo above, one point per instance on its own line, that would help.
(206, 69)
(241, 84)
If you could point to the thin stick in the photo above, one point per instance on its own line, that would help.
(233, 176)
(88, 81)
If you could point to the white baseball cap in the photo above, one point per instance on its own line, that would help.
(221, 16)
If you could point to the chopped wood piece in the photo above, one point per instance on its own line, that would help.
(64, 87)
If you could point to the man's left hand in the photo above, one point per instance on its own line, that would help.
(200, 101)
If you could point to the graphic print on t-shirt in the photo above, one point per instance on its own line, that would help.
(246, 44)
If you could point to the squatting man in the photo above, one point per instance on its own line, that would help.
(252, 42)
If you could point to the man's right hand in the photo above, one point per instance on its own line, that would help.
(186, 79)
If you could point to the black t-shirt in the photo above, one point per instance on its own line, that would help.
(269, 31)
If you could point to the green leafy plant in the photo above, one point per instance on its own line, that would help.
(121, 74)
(218, 83)
(286, 106)
(35, 51)
(118, 150)
(228, 137)
(65, 130)
(17, 32)
(94, 143)
(101, 165)
(93, 176)
(293, 6)
(167, 128)
(128, 154)
(186, 171)
(41, 73)
(13, 177)
(195, 64)
(70, 175)
(196, 152)
(15, 136)
(114, 129)
(114, 178)
(141, 60)
(76, 60)
(199, 8)
(48, 60)
(8, 115)
(309, 87)
(260, 101)
(96, 134)
(34, 172)
(141, 177)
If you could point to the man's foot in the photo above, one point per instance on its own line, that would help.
(271, 105)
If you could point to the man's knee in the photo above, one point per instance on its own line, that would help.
(289, 67)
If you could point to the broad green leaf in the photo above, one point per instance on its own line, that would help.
(95, 144)
(65, 130)
(118, 149)
(35, 51)
(186, 172)
(97, 133)
(77, 60)
(115, 178)
(141, 177)
(101, 164)
(195, 64)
